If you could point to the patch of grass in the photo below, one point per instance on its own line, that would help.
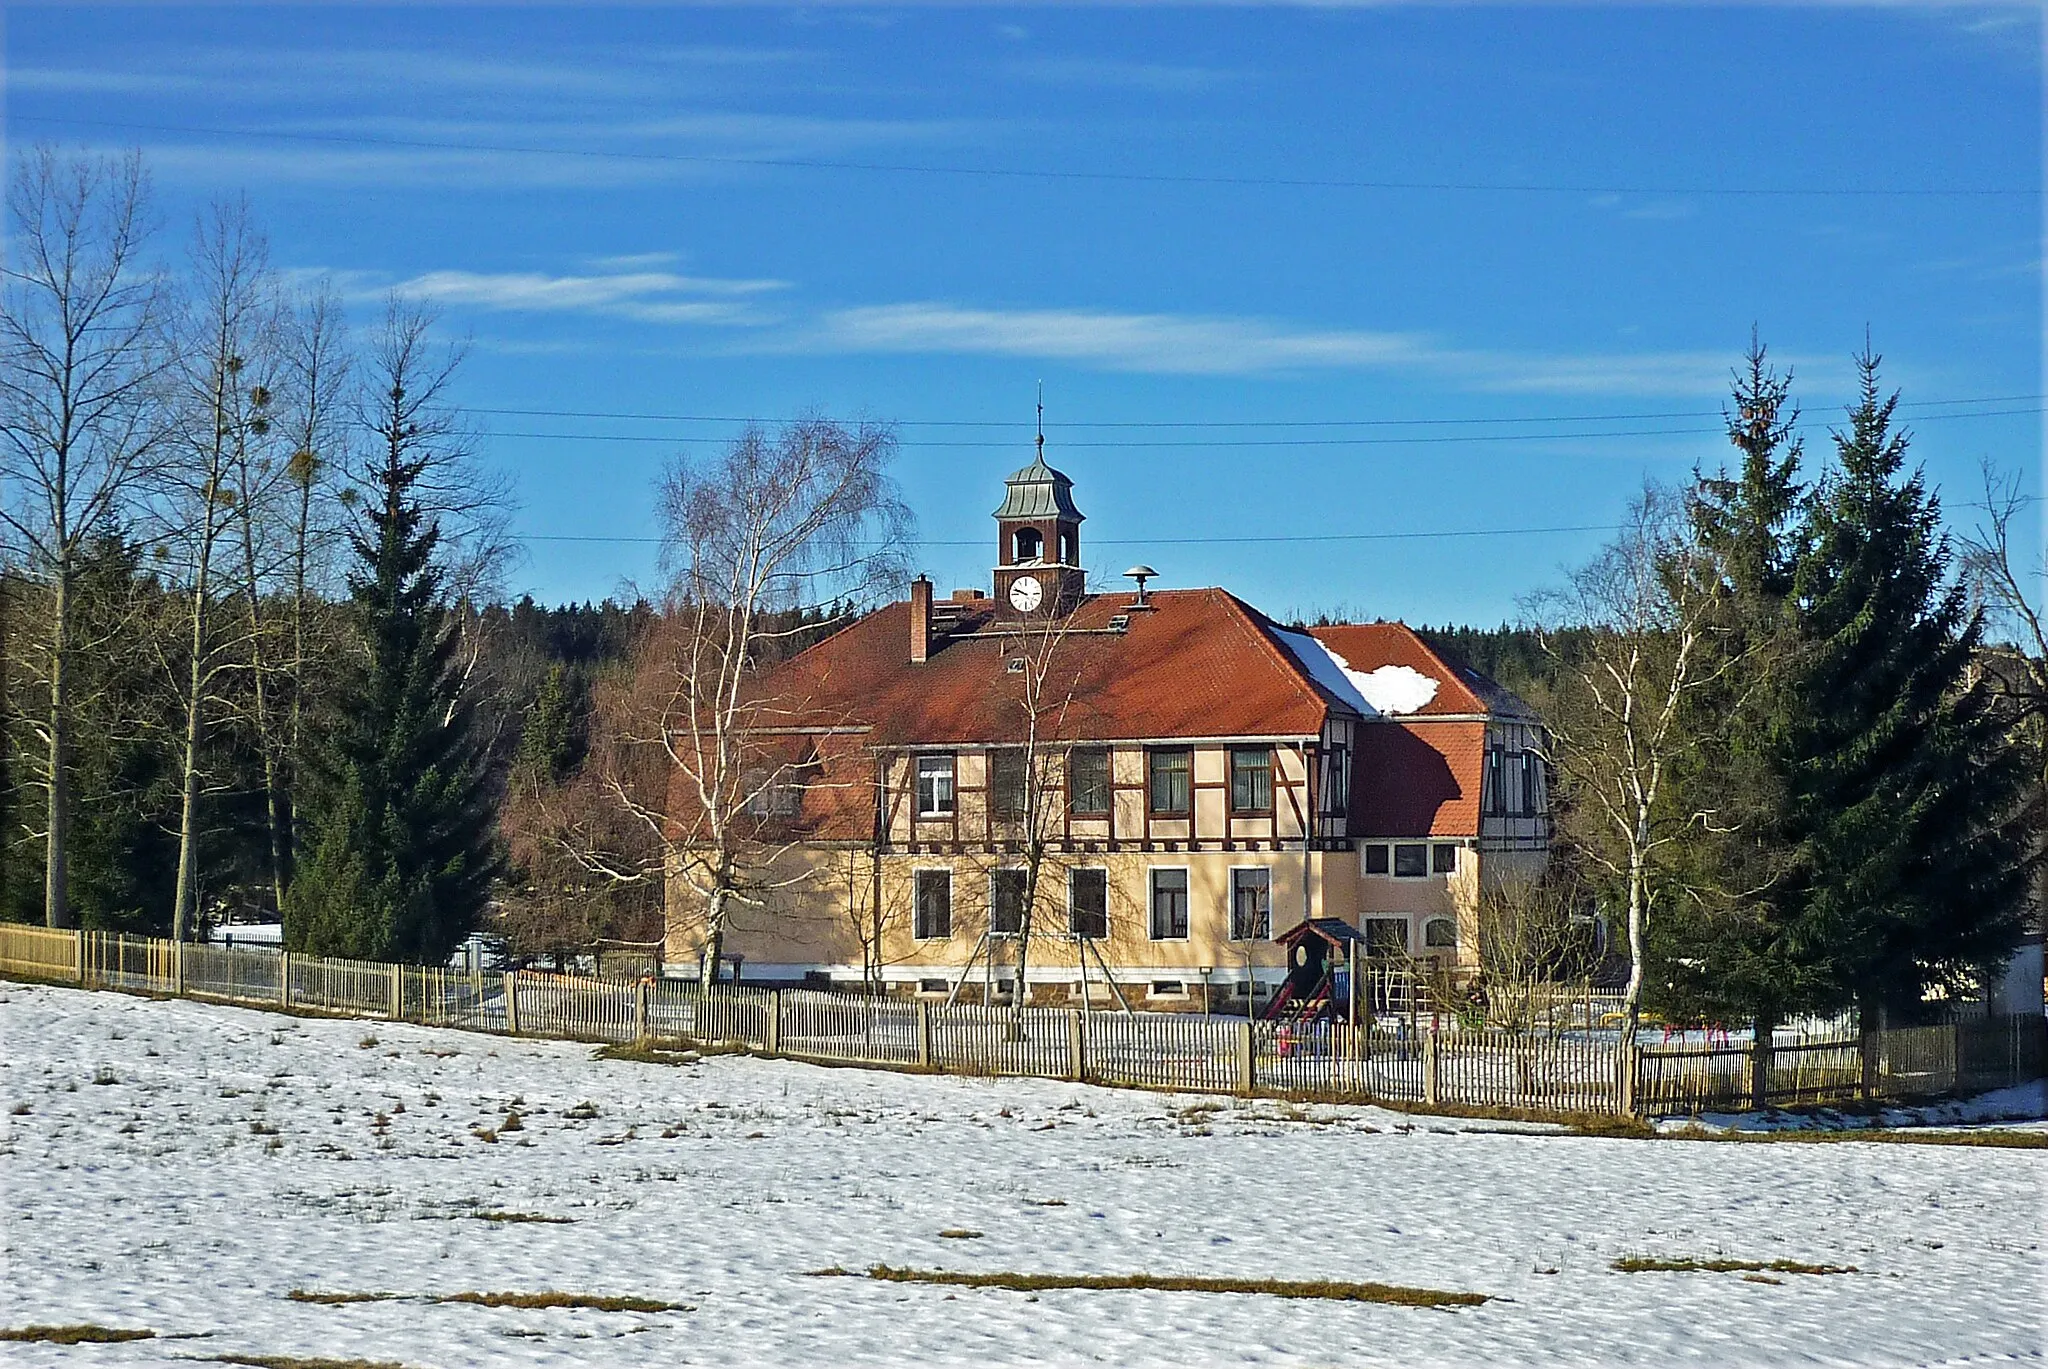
(368, 1043)
(1652, 1264)
(590, 1301)
(74, 1335)
(513, 1122)
(20, 1110)
(593, 1302)
(1326, 1289)
(645, 1054)
(298, 1362)
(1602, 1124)
(521, 1217)
(103, 1075)
(1762, 1278)
(582, 1112)
(1045, 1202)
(2003, 1138)
(960, 1233)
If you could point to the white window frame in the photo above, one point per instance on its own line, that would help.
(1230, 903)
(1187, 901)
(1386, 846)
(917, 776)
(1433, 920)
(1078, 869)
(1435, 847)
(916, 913)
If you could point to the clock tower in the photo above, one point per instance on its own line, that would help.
(1038, 535)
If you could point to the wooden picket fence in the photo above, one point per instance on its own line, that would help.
(1582, 1069)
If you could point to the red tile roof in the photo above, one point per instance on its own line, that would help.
(1461, 690)
(1197, 663)
(1418, 779)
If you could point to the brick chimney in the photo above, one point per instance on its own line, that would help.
(920, 620)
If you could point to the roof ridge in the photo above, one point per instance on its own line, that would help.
(1258, 622)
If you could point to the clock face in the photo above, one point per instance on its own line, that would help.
(1025, 593)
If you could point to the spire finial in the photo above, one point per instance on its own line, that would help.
(1041, 420)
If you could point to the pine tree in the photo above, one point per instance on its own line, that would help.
(1904, 796)
(400, 852)
(1721, 953)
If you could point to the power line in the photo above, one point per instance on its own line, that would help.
(1407, 440)
(1018, 173)
(627, 416)
(1179, 541)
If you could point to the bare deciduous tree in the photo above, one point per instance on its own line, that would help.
(82, 425)
(1614, 725)
(702, 756)
(228, 362)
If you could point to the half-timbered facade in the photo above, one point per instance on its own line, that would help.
(1188, 777)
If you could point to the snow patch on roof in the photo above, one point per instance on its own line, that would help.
(1389, 690)
(1396, 688)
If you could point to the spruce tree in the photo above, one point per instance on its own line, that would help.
(399, 852)
(1904, 796)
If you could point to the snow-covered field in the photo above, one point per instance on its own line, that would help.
(183, 1167)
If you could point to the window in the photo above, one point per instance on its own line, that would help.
(933, 986)
(1088, 781)
(1411, 860)
(1251, 779)
(1088, 903)
(1532, 784)
(779, 797)
(1386, 935)
(1169, 988)
(933, 897)
(1169, 905)
(1443, 859)
(1337, 782)
(1006, 784)
(1492, 799)
(1376, 860)
(1251, 905)
(1440, 932)
(1006, 902)
(1172, 787)
(1030, 544)
(935, 786)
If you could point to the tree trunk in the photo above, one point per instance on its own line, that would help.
(1632, 999)
(56, 848)
(714, 939)
(182, 909)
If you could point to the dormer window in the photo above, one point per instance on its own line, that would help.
(1030, 544)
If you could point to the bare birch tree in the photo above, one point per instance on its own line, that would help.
(228, 364)
(1614, 725)
(698, 750)
(82, 422)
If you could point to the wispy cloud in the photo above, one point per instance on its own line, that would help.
(1178, 344)
(661, 297)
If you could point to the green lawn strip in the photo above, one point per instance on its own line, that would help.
(298, 1362)
(1651, 1264)
(2003, 1138)
(521, 1217)
(591, 1301)
(74, 1335)
(1326, 1289)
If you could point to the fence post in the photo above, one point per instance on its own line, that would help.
(177, 969)
(924, 1034)
(512, 1002)
(1629, 1081)
(397, 995)
(641, 991)
(1761, 1048)
(771, 1034)
(1430, 1071)
(1077, 1059)
(284, 979)
(1867, 1051)
(1246, 1059)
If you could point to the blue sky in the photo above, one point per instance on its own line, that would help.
(1367, 259)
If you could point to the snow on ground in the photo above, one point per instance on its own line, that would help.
(144, 1187)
